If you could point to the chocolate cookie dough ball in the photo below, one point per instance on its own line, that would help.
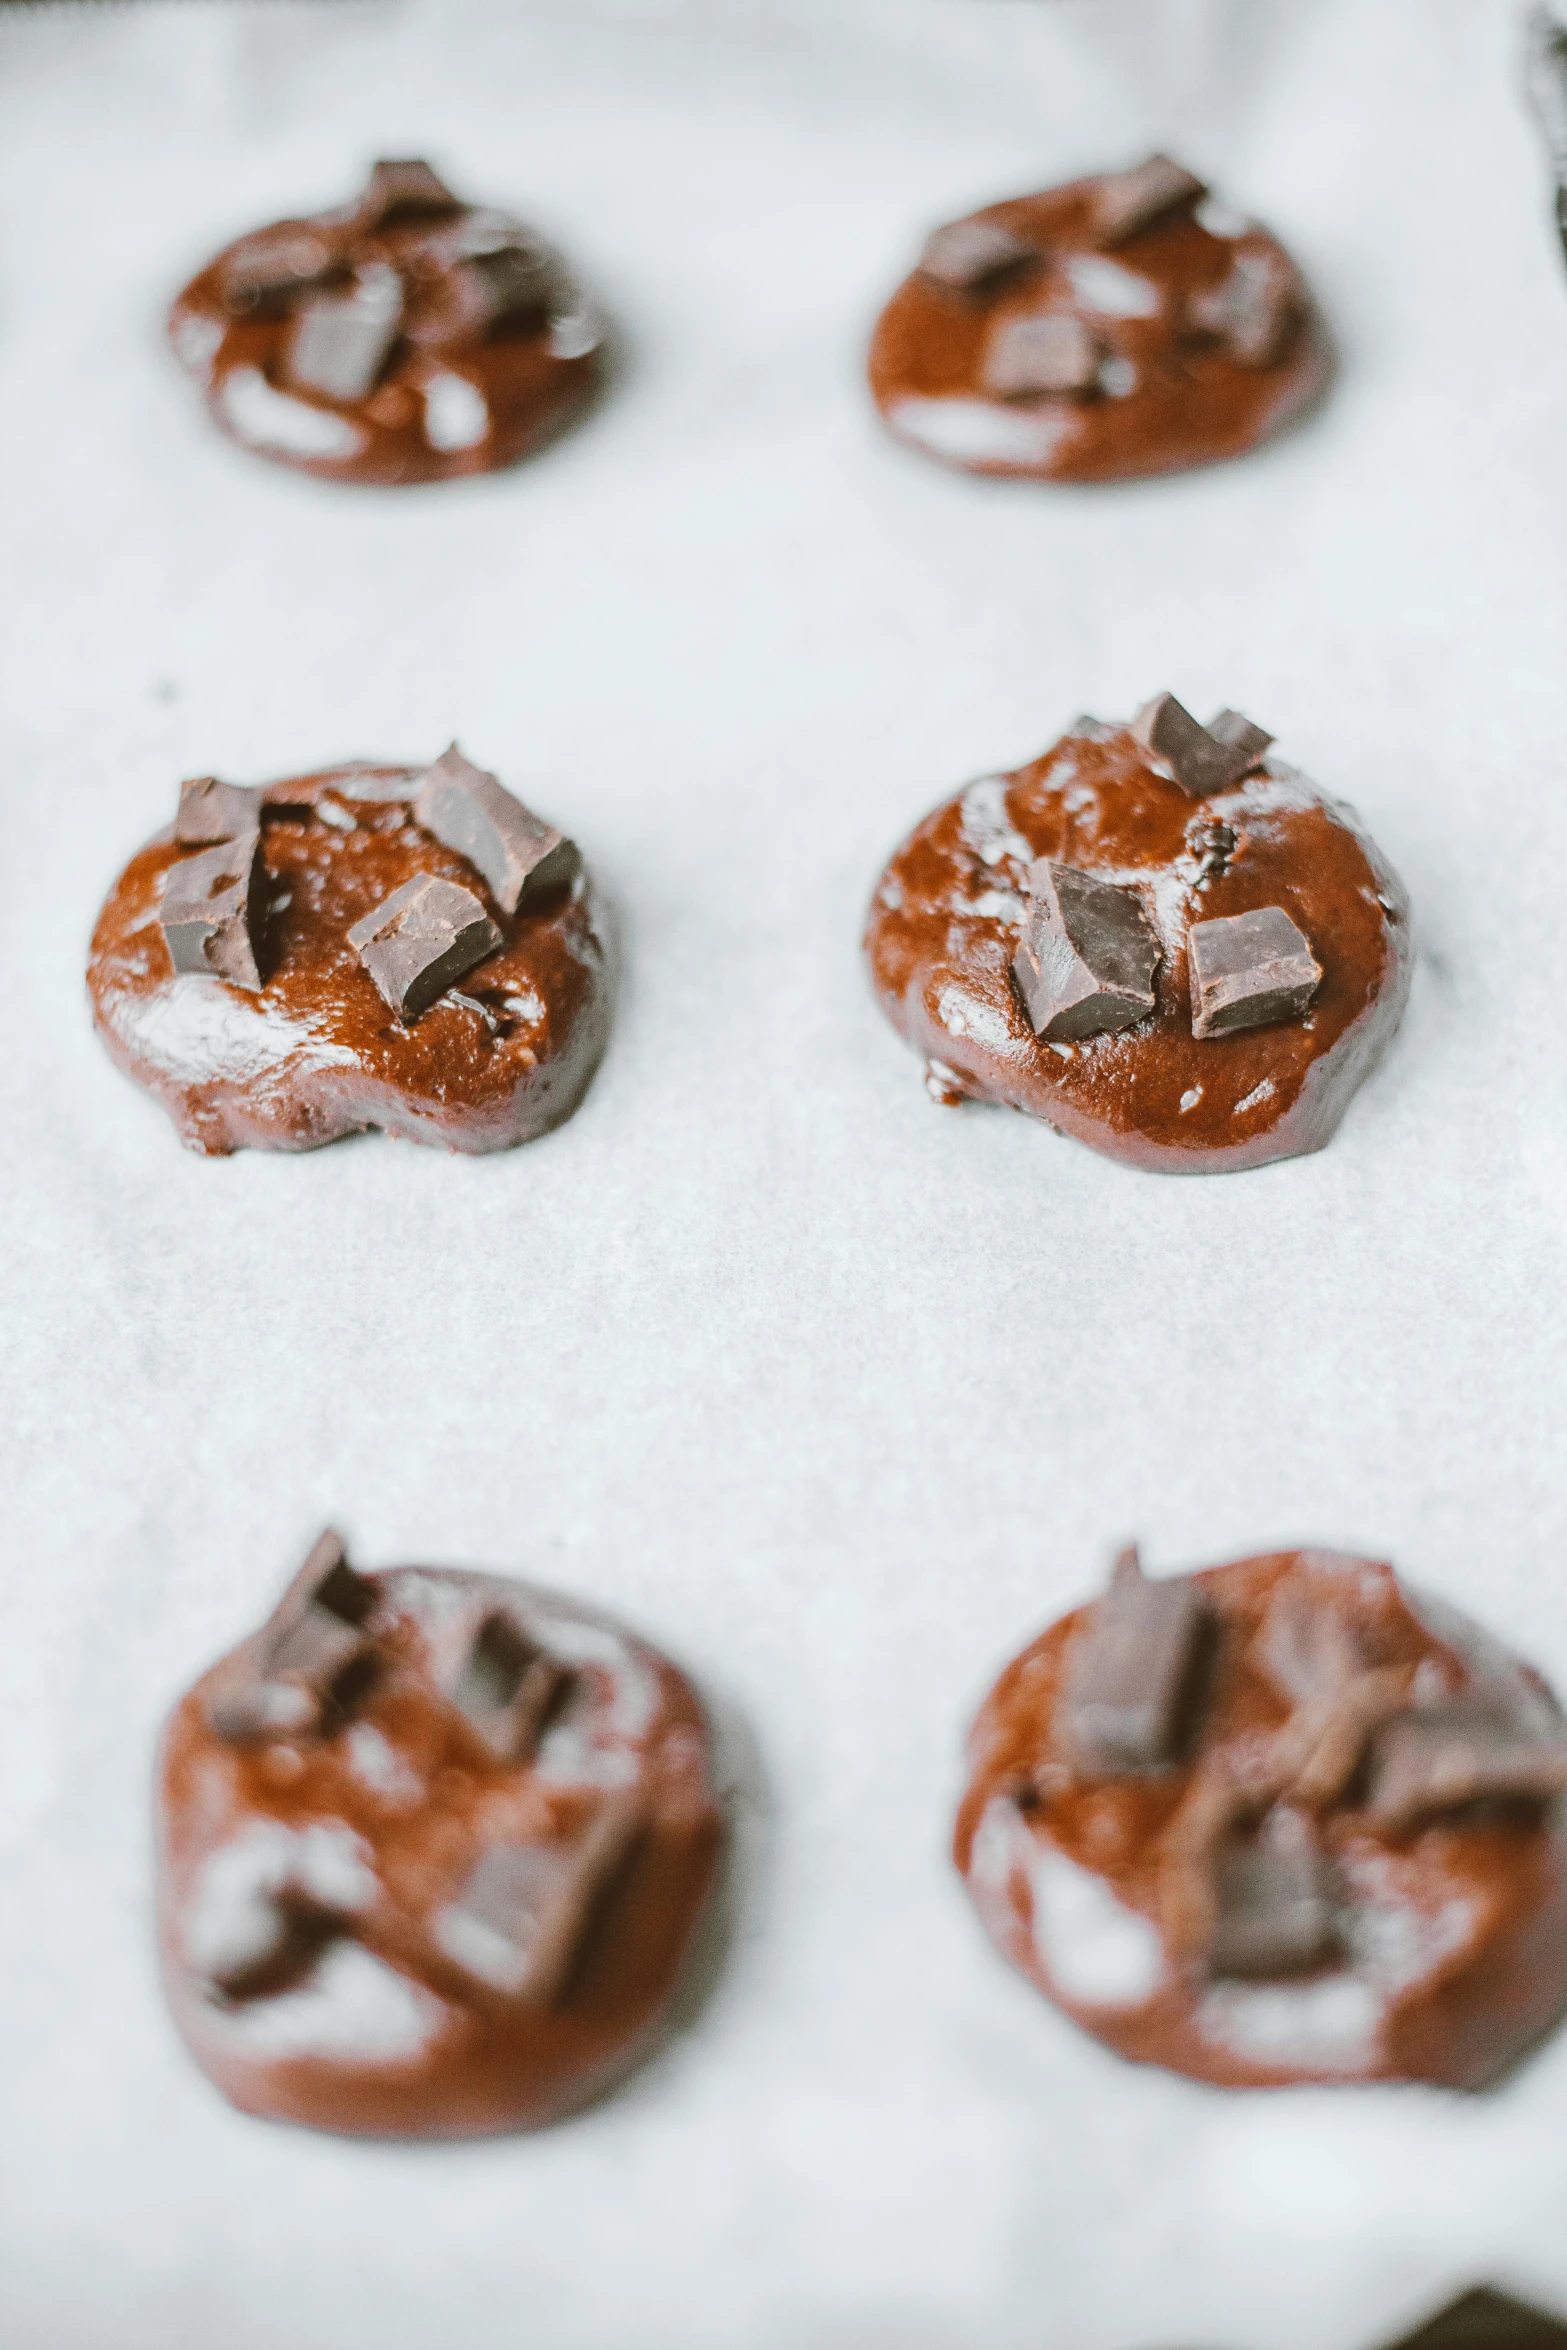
(1154, 938)
(1278, 1821)
(406, 337)
(432, 1849)
(1119, 326)
(393, 947)
(1483, 2319)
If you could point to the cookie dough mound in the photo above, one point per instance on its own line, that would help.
(432, 1849)
(406, 337)
(1154, 938)
(1277, 1821)
(1120, 326)
(314, 958)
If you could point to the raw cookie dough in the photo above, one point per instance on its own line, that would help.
(1278, 1821)
(1483, 2319)
(393, 947)
(432, 1849)
(1119, 326)
(1154, 938)
(406, 337)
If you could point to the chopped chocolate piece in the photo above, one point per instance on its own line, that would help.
(212, 811)
(1088, 955)
(479, 283)
(513, 281)
(1213, 845)
(1240, 738)
(507, 1686)
(468, 810)
(1333, 1737)
(1253, 309)
(1130, 1671)
(1126, 201)
(1311, 1652)
(1306, 1647)
(340, 341)
(1484, 2320)
(1202, 759)
(289, 1929)
(316, 1656)
(1436, 1761)
(262, 276)
(398, 192)
(1248, 970)
(1049, 351)
(420, 939)
(1229, 1789)
(970, 253)
(211, 911)
(1275, 1905)
(523, 1915)
(326, 1580)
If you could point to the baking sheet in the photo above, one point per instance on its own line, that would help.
(836, 1395)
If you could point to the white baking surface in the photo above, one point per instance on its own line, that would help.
(838, 1395)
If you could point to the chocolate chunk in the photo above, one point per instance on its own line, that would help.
(1485, 2320)
(513, 281)
(313, 1658)
(1201, 759)
(1275, 1913)
(1088, 955)
(506, 1687)
(1248, 970)
(1330, 1738)
(1125, 202)
(1130, 1671)
(977, 252)
(1307, 1648)
(1244, 742)
(1229, 1789)
(468, 810)
(1440, 1760)
(1253, 309)
(1051, 351)
(269, 271)
(399, 192)
(523, 1915)
(340, 341)
(212, 811)
(211, 911)
(288, 1932)
(475, 282)
(421, 938)
(327, 1580)
(1213, 845)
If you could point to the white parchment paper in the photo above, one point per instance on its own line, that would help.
(837, 1395)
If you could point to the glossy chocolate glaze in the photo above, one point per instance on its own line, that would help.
(317, 1054)
(386, 2035)
(1192, 402)
(948, 913)
(1457, 1932)
(513, 387)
